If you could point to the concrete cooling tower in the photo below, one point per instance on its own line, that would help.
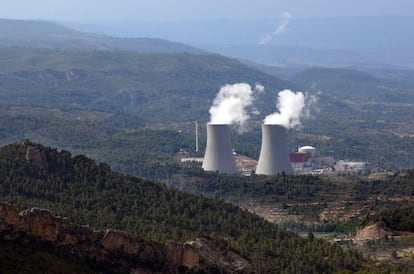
(274, 157)
(219, 154)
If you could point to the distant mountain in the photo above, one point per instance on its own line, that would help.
(364, 40)
(355, 84)
(43, 34)
(291, 55)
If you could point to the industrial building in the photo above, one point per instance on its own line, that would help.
(308, 161)
(307, 158)
(274, 157)
(351, 167)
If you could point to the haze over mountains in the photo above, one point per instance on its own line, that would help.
(334, 41)
(43, 34)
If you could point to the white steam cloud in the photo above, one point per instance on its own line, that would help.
(231, 104)
(286, 16)
(285, 21)
(292, 107)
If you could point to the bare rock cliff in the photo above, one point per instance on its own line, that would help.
(117, 247)
(111, 245)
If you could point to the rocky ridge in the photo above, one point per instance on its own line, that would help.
(117, 248)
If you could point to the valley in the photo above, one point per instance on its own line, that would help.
(95, 129)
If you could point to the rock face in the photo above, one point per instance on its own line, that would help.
(371, 232)
(33, 155)
(212, 257)
(117, 248)
(185, 254)
(114, 246)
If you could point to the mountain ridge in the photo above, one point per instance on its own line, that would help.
(118, 250)
(46, 34)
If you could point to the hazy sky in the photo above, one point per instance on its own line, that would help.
(175, 10)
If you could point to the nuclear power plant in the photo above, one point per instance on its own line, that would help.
(274, 156)
(219, 154)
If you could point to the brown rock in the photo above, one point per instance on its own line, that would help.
(191, 257)
(35, 156)
(70, 234)
(182, 254)
(174, 252)
(212, 257)
(39, 222)
(372, 232)
(120, 240)
(117, 247)
(9, 214)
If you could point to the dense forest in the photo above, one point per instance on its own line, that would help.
(324, 204)
(90, 193)
(401, 219)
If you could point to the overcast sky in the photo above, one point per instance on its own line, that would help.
(177, 10)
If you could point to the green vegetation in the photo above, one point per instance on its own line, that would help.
(121, 81)
(25, 256)
(401, 219)
(132, 106)
(321, 204)
(65, 97)
(357, 85)
(33, 175)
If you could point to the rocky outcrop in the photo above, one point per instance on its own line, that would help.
(8, 213)
(371, 232)
(114, 246)
(117, 247)
(36, 157)
(185, 254)
(120, 240)
(213, 257)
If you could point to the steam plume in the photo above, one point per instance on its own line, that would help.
(286, 16)
(231, 103)
(292, 107)
(285, 21)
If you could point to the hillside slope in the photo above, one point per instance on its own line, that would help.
(76, 248)
(34, 175)
(356, 85)
(156, 86)
(44, 34)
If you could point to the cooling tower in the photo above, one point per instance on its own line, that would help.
(219, 153)
(274, 157)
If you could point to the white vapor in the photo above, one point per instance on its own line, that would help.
(231, 103)
(292, 107)
(265, 39)
(285, 21)
(286, 16)
(259, 87)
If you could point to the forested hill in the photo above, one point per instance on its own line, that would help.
(356, 85)
(155, 86)
(33, 175)
(43, 34)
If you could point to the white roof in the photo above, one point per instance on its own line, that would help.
(307, 147)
